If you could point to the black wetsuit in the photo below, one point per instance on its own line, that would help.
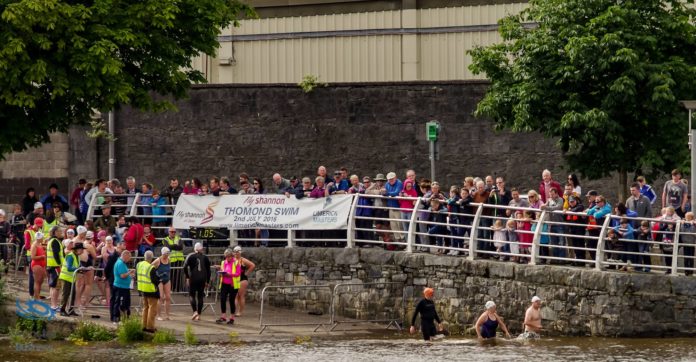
(428, 314)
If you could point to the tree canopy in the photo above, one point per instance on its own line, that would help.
(61, 60)
(604, 77)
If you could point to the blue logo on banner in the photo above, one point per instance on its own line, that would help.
(34, 310)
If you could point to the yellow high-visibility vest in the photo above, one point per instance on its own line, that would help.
(51, 261)
(64, 273)
(235, 280)
(174, 255)
(144, 282)
(32, 233)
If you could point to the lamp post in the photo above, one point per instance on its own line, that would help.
(691, 106)
(432, 129)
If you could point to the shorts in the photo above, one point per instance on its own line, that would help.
(52, 276)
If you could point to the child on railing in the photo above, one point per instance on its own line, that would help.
(524, 232)
(643, 234)
(511, 236)
(499, 237)
(623, 231)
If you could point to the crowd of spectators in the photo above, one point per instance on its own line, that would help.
(503, 231)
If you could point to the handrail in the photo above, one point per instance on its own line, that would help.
(536, 240)
(350, 237)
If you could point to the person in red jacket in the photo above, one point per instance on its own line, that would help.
(134, 234)
(547, 183)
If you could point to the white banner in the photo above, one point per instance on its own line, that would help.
(262, 211)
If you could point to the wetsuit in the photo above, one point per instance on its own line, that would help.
(489, 328)
(197, 271)
(428, 314)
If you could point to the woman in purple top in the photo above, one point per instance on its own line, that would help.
(319, 190)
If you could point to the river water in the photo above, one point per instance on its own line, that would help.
(373, 350)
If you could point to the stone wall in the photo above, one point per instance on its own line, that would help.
(577, 302)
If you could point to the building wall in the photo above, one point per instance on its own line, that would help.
(394, 45)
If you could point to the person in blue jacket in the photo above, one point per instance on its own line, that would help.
(598, 212)
(394, 187)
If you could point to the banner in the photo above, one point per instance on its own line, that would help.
(262, 211)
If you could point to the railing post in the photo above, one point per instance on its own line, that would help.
(233, 237)
(90, 209)
(134, 207)
(350, 229)
(412, 227)
(474, 233)
(536, 239)
(599, 257)
(291, 238)
(675, 248)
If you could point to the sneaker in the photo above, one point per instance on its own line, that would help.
(160, 318)
(221, 321)
(230, 322)
(455, 252)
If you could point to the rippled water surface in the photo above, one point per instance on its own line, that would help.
(374, 350)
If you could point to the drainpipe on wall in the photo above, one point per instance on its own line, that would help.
(112, 156)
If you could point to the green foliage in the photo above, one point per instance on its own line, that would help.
(60, 60)
(303, 340)
(18, 336)
(189, 337)
(163, 336)
(130, 330)
(88, 331)
(309, 82)
(603, 77)
(30, 325)
(98, 131)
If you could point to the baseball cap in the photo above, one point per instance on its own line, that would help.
(380, 177)
(391, 175)
(490, 304)
(536, 299)
(237, 249)
(165, 251)
(38, 205)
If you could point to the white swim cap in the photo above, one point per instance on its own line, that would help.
(39, 235)
(198, 247)
(165, 251)
(536, 299)
(490, 304)
(81, 229)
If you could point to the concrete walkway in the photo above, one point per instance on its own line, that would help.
(246, 327)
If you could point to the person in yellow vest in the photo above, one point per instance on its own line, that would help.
(176, 258)
(29, 238)
(54, 259)
(229, 275)
(147, 284)
(67, 275)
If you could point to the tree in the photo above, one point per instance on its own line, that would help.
(62, 60)
(604, 77)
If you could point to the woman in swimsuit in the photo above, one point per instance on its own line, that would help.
(165, 287)
(488, 322)
(106, 250)
(247, 267)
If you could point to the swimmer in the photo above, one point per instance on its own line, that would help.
(532, 320)
(488, 322)
(426, 308)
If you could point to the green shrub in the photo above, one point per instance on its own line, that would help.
(30, 325)
(18, 336)
(163, 336)
(130, 330)
(189, 336)
(309, 82)
(88, 331)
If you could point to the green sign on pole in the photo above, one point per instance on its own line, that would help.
(432, 128)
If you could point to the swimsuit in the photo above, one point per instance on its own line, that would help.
(489, 328)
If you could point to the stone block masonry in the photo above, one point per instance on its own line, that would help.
(577, 302)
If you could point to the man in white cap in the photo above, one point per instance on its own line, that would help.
(532, 319)
(394, 187)
(197, 272)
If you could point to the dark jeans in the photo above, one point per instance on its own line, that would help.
(557, 240)
(484, 245)
(689, 253)
(31, 277)
(227, 294)
(64, 306)
(439, 230)
(364, 234)
(121, 303)
(112, 301)
(196, 295)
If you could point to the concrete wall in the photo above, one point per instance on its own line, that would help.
(368, 128)
(577, 302)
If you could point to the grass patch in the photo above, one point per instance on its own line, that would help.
(303, 340)
(18, 336)
(130, 330)
(163, 336)
(189, 337)
(88, 332)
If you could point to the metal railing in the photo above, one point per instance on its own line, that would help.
(540, 236)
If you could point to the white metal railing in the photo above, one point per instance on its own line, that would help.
(543, 236)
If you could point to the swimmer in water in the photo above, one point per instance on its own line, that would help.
(426, 308)
(532, 320)
(488, 322)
